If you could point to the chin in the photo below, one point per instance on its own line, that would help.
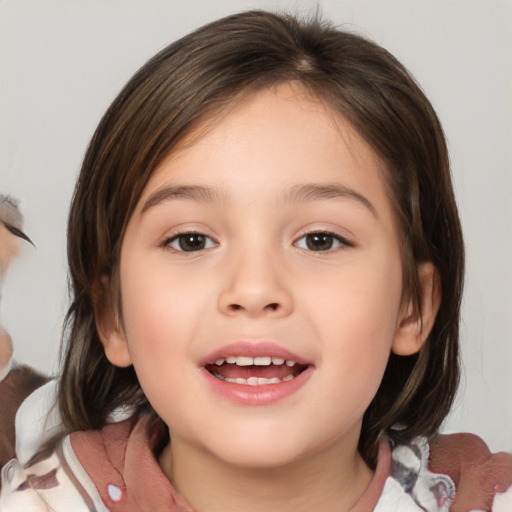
(257, 457)
(260, 446)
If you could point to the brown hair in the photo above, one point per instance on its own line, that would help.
(194, 78)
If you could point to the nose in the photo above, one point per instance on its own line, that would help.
(255, 285)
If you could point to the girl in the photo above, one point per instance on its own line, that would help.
(266, 264)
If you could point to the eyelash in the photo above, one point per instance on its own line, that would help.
(180, 237)
(342, 241)
(209, 242)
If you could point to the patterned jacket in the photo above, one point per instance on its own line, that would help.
(115, 469)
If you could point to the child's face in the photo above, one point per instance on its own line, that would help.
(271, 235)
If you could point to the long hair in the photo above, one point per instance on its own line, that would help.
(192, 80)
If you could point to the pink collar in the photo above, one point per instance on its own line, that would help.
(121, 456)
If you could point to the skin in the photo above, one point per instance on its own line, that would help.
(340, 309)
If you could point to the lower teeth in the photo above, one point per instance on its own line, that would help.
(255, 381)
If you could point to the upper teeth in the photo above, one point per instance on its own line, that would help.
(257, 361)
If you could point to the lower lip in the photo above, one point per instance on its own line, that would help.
(243, 394)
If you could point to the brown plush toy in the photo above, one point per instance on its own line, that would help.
(16, 382)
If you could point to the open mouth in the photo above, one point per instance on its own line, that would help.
(255, 371)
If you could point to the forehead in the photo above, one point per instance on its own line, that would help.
(270, 149)
(275, 159)
(272, 126)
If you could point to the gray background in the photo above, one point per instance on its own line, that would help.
(62, 62)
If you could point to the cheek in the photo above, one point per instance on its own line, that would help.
(155, 297)
(162, 311)
(149, 310)
(363, 297)
(155, 327)
(357, 315)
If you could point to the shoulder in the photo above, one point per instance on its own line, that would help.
(55, 479)
(121, 460)
(454, 473)
(48, 482)
(121, 463)
(113, 469)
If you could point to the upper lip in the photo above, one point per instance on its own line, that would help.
(253, 349)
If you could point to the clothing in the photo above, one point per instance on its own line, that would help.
(15, 385)
(115, 470)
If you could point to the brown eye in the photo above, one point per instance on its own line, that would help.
(321, 242)
(190, 242)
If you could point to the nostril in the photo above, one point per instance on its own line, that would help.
(274, 306)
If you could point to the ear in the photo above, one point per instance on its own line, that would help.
(415, 326)
(110, 331)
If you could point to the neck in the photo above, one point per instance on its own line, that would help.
(331, 479)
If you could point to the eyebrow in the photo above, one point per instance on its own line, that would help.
(296, 194)
(193, 192)
(316, 191)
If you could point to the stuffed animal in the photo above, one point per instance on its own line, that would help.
(16, 381)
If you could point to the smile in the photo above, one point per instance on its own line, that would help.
(255, 371)
(249, 373)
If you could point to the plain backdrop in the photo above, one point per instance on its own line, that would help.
(62, 62)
